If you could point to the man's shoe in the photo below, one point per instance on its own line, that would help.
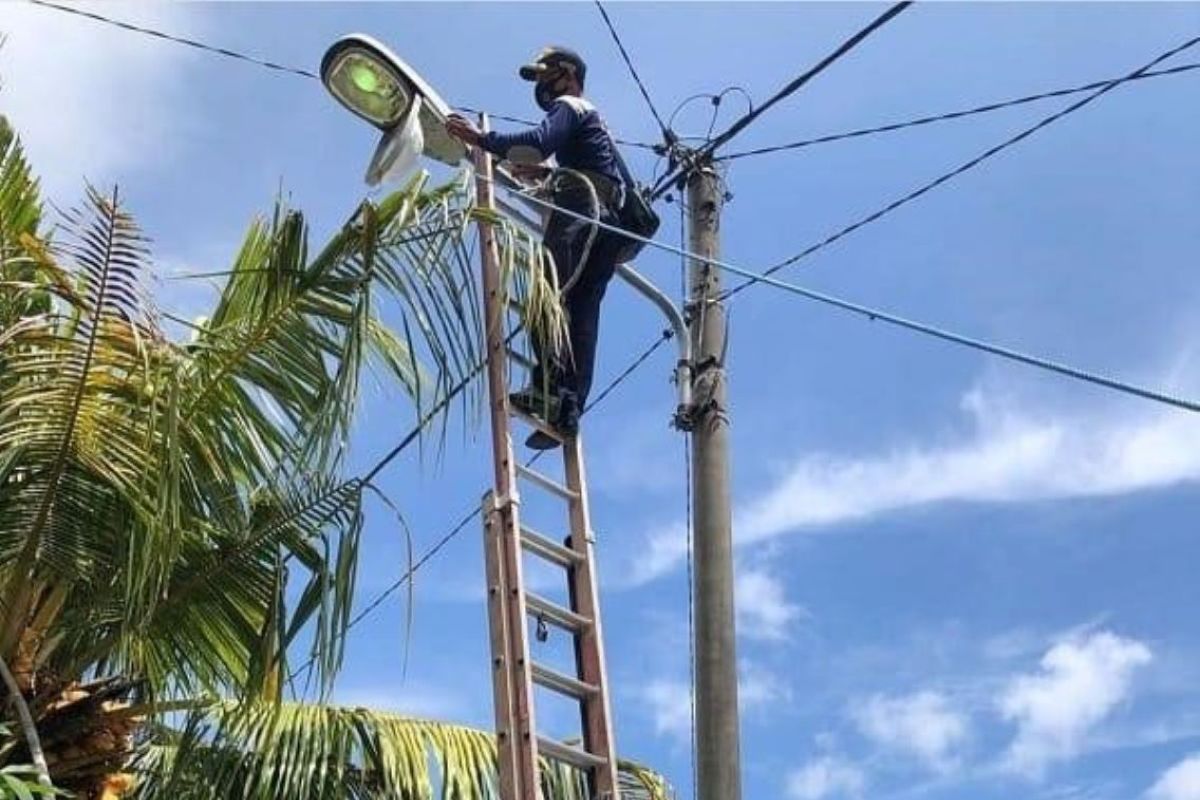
(538, 440)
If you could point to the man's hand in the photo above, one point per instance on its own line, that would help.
(463, 129)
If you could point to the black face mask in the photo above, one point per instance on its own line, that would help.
(545, 92)
(543, 95)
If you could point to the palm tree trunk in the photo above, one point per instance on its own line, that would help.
(27, 726)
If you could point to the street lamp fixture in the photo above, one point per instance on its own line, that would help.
(375, 84)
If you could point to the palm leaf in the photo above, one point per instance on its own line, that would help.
(20, 212)
(311, 752)
(59, 416)
(157, 499)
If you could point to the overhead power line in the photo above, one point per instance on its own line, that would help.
(247, 58)
(967, 166)
(739, 125)
(765, 276)
(531, 123)
(950, 115)
(666, 132)
(501, 117)
(471, 514)
(177, 39)
(800, 80)
(876, 314)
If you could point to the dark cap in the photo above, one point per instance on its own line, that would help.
(551, 57)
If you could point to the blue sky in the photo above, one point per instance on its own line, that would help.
(957, 577)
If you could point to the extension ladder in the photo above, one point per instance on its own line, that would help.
(510, 606)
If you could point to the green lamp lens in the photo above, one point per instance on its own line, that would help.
(368, 88)
(364, 77)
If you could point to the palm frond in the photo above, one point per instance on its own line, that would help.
(312, 752)
(219, 624)
(20, 212)
(174, 519)
(298, 328)
(78, 413)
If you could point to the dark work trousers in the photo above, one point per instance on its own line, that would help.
(570, 373)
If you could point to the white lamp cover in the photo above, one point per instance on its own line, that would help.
(398, 150)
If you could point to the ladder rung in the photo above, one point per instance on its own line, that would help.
(574, 756)
(549, 484)
(534, 542)
(563, 684)
(552, 612)
(536, 423)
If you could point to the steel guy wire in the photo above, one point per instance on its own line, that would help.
(687, 472)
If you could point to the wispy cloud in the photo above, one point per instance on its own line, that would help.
(761, 689)
(1080, 682)
(670, 706)
(91, 101)
(763, 609)
(923, 725)
(669, 701)
(1180, 782)
(1008, 456)
(826, 778)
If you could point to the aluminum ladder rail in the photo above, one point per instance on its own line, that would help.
(510, 606)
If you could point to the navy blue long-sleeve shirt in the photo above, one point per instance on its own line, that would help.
(572, 132)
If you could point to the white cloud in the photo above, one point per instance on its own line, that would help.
(90, 100)
(760, 689)
(671, 707)
(670, 701)
(1009, 456)
(1080, 682)
(1180, 782)
(662, 551)
(922, 725)
(763, 610)
(826, 777)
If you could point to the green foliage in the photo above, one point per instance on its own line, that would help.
(160, 499)
(267, 751)
(18, 782)
(161, 486)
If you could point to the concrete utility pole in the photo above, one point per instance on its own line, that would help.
(718, 754)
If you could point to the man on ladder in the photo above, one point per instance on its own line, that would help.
(589, 182)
